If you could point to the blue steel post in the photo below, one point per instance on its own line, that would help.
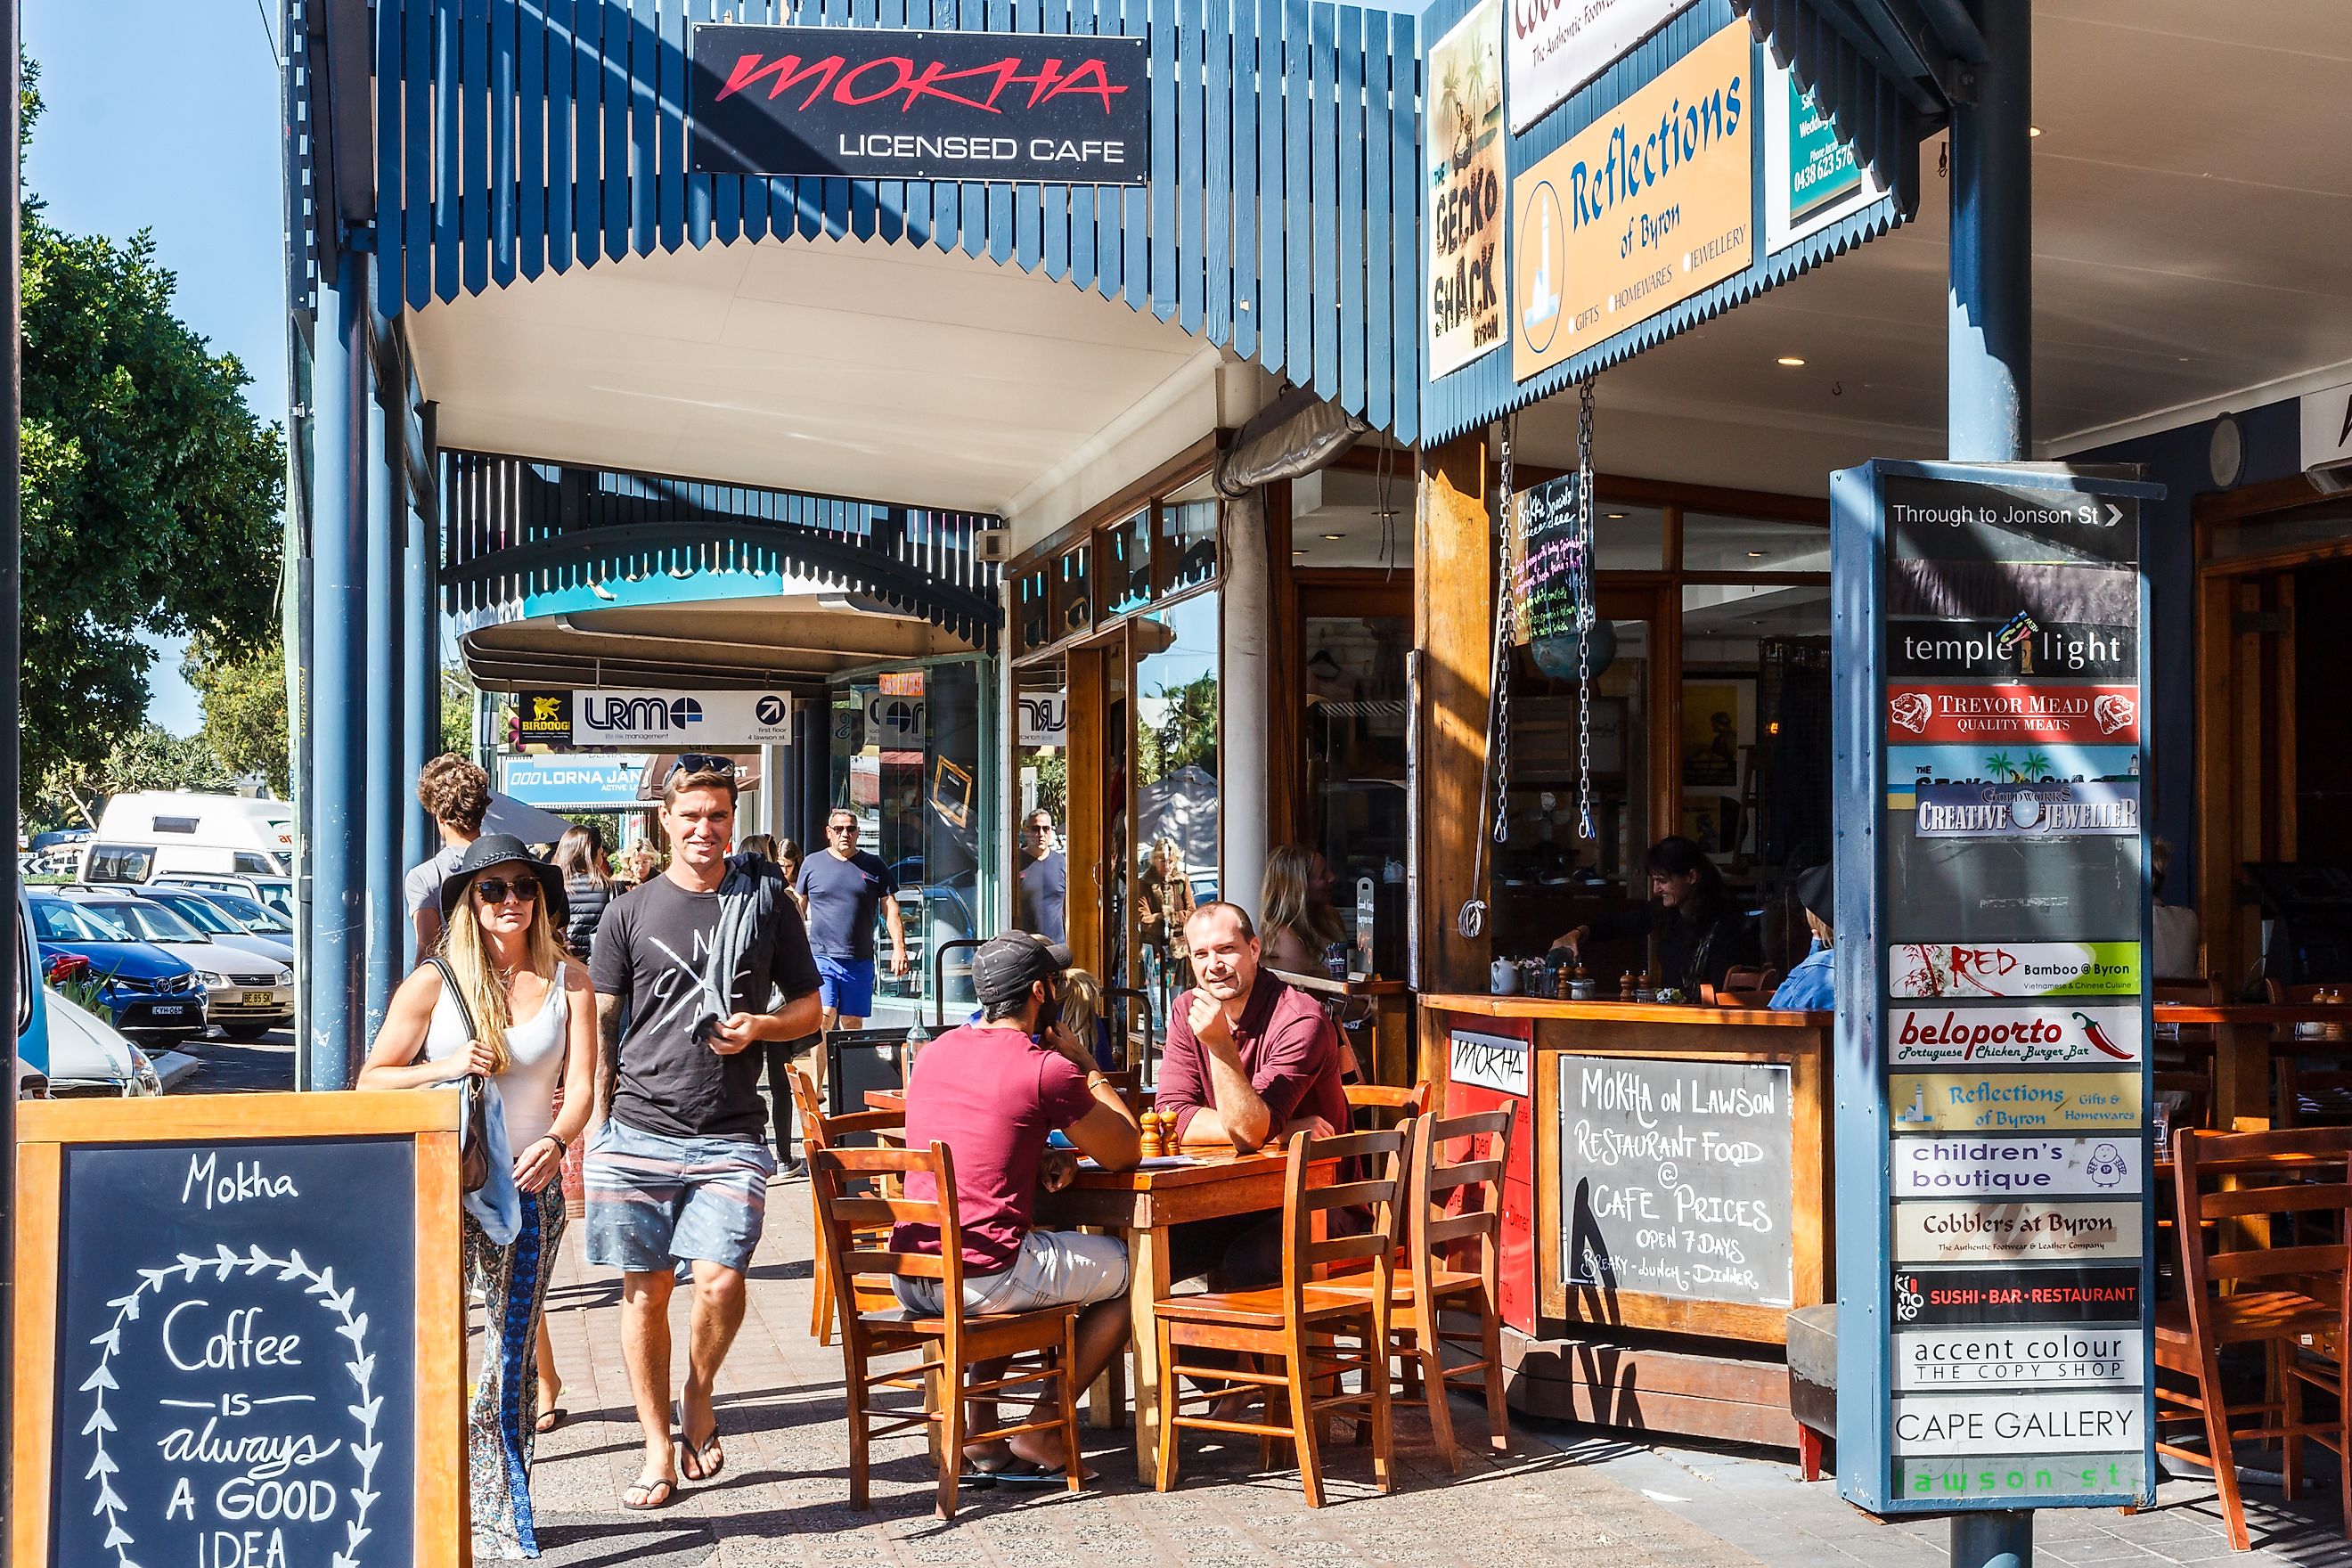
(1989, 383)
(338, 662)
(379, 782)
(420, 706)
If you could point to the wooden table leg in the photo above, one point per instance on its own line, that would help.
(1147, 1262)
(1107, 1395)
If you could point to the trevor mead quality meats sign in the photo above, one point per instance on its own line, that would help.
(885, 104)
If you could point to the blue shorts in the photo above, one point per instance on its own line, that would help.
(846, 985)
(654, 1201)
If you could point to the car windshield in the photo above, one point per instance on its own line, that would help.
(256, 916)
(61, 921)
(278, 895)
(200, 914)
(151, 923)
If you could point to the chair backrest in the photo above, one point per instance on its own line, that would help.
(1452, 1201)
(2189, 992)
(1743, 977)
(2329, 1091)
(819, 1131)
(849, 1218)
(1379, 1097)
(1324, 1177)
(2311, 1171)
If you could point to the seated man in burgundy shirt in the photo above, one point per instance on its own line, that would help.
(993, 1092)
(1249, 1058)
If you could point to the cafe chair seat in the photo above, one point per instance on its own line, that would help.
(1260, 1306)
(2243, 1319)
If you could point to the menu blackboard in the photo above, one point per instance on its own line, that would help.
(1678, 1178)
(250, 1347)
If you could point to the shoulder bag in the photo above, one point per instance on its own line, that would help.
(474, 1153)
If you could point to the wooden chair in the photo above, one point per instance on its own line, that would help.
(2278, 1300)
(1743, 977)
(1375, 1099)
(2312, 1097)
(1299, 1324)
(947, 1345)
(819, 1131)
(1451, 1206)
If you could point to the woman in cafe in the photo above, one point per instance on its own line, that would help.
(1298, 921)
(500, 1002)
(1163, 903)
(1698, 932)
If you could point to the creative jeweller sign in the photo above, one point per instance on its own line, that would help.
(892, 104)
(1992, 997)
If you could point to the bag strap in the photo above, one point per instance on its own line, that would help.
(450, 984)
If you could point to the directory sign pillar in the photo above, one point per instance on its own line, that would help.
(1994, 1158)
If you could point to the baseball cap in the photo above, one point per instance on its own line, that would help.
(1007, 965)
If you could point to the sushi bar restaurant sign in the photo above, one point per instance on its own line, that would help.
(1651, 204)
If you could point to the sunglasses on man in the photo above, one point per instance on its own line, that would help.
(497, 890)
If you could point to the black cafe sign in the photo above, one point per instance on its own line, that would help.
(892, 104)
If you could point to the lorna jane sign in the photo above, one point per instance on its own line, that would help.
(883, 103)
(1993, 1181)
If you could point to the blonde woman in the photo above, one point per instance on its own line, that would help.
(533, 1033)
(1297, 921)
(1163, 903)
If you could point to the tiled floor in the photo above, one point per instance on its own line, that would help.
(1565, 1496)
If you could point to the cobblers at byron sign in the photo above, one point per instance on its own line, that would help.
(881, 103)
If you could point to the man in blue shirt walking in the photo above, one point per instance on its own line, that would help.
(844, 887)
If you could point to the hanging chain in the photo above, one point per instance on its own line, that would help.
(1586, 612)
(1508, 617)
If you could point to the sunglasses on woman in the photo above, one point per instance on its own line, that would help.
(494, 889)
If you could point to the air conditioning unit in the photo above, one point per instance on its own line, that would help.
(993, 546)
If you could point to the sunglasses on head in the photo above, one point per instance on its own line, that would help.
(494, 889)
(700, 762)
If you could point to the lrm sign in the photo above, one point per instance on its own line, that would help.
(888, 104)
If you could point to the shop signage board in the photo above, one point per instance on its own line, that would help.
(1499, 1062)
(576, 780)
(1812, 179)
(1651, 204)
(1678, 1176)
(241, 1335)
(1993, 993)
(1542, 556)
(1557, 45)
(887, 103)
(1465, 183)
(543, 718)
(681, 719)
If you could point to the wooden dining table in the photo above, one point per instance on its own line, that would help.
(1144, 1206)
(2246, 1037)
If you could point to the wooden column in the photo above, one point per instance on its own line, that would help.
(1286, 742)
(1086, 825)
(1454, 639)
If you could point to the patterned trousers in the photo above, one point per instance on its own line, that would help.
(498, 1438)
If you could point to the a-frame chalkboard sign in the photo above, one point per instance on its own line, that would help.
(240, 1340)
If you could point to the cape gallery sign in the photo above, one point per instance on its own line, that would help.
(888, 104)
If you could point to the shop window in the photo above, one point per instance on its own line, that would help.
(1628, 538)
(1041, 748)
(1187, 555)
(1175, 755)
(1716, 543)
(1358, 800)
(1126, 565)
(1072, 594)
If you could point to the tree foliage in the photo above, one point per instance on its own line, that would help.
(244, 709)
(152, 494)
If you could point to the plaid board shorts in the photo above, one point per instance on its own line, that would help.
(653, 1200)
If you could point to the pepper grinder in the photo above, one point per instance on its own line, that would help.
(1153, 1145)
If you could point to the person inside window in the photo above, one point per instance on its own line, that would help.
(1698, 932)
(1294, 904)
(1812, 986)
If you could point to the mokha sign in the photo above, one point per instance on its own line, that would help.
(885, 104)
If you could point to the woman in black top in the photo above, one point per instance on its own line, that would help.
(587, 886)
(1700, 933)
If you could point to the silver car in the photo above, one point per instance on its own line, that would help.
(219, 924)
(246, 995)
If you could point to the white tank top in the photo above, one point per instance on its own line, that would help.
(535, 1069)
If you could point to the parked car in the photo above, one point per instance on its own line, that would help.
(249, 994)
(278, 892)
(216, 923)
(90, 1058)
(260, 918)
(145, 833)
(144, 989)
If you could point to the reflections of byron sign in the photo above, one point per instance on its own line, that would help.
(895, 104)
(1464, 181)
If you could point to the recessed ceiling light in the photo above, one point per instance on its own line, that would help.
(1334, 536)
(2033, 131)
(1755, 555)
(1791, 361)
(1616, 516)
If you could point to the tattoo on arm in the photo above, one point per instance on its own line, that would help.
(608, 1052)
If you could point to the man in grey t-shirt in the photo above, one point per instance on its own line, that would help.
(458, 793)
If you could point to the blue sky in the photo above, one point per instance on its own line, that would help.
(162, 114)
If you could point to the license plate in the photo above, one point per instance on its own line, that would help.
(258, 998)
(169, 1010)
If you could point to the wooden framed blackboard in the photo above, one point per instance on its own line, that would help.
(240, 1336)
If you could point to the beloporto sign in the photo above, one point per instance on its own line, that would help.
(883, 103)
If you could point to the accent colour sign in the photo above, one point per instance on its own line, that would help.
(2111, 1356)
(1464, 179)
(1558, 46)
(2052, 1036)
(1651, 204)
(882, 103)
(2028, 1232)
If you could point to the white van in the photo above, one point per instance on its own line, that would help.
(148, 832)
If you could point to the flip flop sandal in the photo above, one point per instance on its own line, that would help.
(549, 1420)
(1020, 1472)
(694, 1458)
(663, 1485)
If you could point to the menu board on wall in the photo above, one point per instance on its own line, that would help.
(1677, 1179)
(1993, 915)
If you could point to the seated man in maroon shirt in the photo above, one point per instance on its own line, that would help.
(993, 1092)
(1249, 1058)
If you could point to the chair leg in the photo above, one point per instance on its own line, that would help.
(856, 1383)
(1499, 1411)
(1167, 1476)
(2217, 1444)
(1429, 1357)
(821, 1310)
(2288, 1391)
(1075, 1463)
(1808, 1455)
(1376, 1378)
(1303, 1422)
(950, 1466)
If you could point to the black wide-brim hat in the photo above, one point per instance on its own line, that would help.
(501, 849)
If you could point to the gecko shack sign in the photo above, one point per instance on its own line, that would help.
(239, 1326)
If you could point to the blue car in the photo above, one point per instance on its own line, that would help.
(144, 990)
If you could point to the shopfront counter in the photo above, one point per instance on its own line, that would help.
(1667, 1201)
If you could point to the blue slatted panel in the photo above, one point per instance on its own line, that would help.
(1135, 232)
(391, 137)
(1162, 257)
(1273, 211)
(1189, 99)
(503, 80)
(1028, 213)
(1346, 311)
(613, 70)
(1298, 192)
(671, 34)
(476, 130)
(998, 16)
(1239, 113)
(643, 58)
(1379, 61)
(1056, 199)
(1323, 187)
(531, 169)
(891, 195)
(1217, 172)
(587, 129)
(971, 197)
(862, 195)
(1404, 337)
(415, 184)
